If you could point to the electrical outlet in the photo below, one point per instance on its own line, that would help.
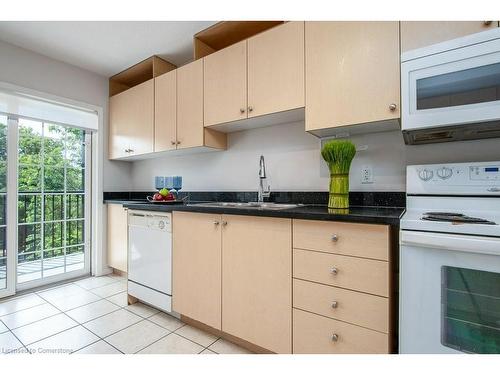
(367, 175)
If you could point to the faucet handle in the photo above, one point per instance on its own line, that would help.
(266, 193)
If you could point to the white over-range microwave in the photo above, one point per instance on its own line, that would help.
(450, 91)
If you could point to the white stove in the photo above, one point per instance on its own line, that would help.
(450, 259)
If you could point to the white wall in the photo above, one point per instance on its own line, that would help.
(28, 69)
(294, 162)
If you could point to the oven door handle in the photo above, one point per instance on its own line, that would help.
(465, 243)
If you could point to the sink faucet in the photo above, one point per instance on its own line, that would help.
(262, 176)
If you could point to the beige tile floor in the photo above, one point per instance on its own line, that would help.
(91, 316)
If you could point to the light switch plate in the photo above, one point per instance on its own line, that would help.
(367, 175)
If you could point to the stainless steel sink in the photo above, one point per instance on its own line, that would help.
(255, 205)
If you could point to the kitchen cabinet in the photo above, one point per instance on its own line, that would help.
(225, 85)
(276, 70)
(117, 239)
(351, 73)
(165, 112)
(196, 274)
(131, 121)
(256, 274)
(417, 34)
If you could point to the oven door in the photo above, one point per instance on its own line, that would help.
(460, 86)
(449, 293)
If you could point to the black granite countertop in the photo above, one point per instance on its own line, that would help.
(360, 214)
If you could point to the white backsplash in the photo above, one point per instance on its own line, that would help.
(294, 163)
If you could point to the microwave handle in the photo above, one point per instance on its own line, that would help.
(441, 241)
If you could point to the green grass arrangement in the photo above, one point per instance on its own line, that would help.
(338, 154)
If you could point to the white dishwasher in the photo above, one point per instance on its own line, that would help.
(150, 258)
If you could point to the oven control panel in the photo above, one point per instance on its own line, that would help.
(454, 179)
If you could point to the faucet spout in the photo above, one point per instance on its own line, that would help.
(262, 167)
(263, 192)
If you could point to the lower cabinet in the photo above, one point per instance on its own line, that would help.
(257, 281)
(237, 274)
(248, 260)
(117, 237)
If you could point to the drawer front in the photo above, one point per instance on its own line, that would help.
(361, 309)
(363, 275)
(313, 334)
(361, 240)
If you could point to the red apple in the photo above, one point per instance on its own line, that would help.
(169, 197)
(157, 197)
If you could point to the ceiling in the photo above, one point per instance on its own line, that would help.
(105, 48)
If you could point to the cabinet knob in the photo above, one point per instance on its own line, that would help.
(224, 223)
(335, 304)
(242, 110)
(126, 150)
(250, 109)
(216, 223)
(335, 238)
(393, 106)
(487, 23)
(178, 142)
(335, 337)
(334, 271)
(173, 143)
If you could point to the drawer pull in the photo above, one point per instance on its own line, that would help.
(335, 238)
(335, 304)
(335, 337)
(334, 271)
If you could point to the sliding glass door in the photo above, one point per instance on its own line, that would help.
(3, 205)
(53, 215)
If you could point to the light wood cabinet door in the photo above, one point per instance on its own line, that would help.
(352, 73)
(190, 105)
(417, 34)
(225, 85)
(117, 237)
(256, 288)
(276, 70)
(196, 277)
(131, 121)
(165, 135)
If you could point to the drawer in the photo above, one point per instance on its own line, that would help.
(313, 334)
(361, 240)
(363, 275)
(358, 308)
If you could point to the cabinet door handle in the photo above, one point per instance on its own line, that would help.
(250, 109)
(216, 223)
(335, 337)
(242, 110)
(335, 238)
(173, 143)
(334, 271)
(178, 142)
(335, 304)
(224, 223)
(393, 106)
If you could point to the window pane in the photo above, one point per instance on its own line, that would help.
(75, 179)
(3, 209)
(74, 232)
(53, 235)
(29, 208)
(53, 144)
(3, 176)
(75, 147)
(3, 242)
(29, 238)
(29, 179)
(3, 139)
(54, 207)
(30, 142)
(75, 206)
(74, 258)
(53, 179)
(53, 262)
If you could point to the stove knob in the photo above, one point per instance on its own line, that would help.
(444, 173)
(425, 174)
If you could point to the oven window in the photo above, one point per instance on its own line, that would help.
(469, 86)
(470, 310)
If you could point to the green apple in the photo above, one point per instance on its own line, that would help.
(164, 192)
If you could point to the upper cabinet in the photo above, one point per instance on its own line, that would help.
(416, 34)
(131, 121)
(276, 70)
(225, 85)
(352, 74)
(165, 111)
(259, 76)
